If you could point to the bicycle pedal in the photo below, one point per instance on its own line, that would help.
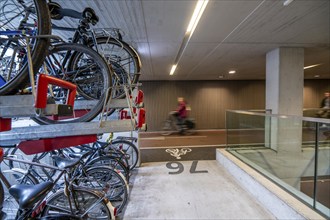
(58, 109)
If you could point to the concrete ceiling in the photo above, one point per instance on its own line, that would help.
(232, 34)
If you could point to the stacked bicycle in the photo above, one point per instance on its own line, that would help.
(102, 167)
(59, 198)
(84, 182)
(97, 62)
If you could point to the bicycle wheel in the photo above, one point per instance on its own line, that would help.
(2, 198)
(13, 60)
(112, 162)
(108, 181)
(106, 149)
(84, 67)
(85, 204)
(130, 150)
(124, 60)
(167, 129)
(15, 153)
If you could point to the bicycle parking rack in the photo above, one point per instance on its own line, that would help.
(41, 138)
(136, 110)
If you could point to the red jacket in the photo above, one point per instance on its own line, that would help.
(182, 110)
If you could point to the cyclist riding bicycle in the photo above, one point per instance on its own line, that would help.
(178, 120)
(181, 110)
(180, 114)
(325, 105)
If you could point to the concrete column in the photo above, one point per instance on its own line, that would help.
(285, 81)
(284, 96)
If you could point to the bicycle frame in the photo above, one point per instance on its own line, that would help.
(38, 207)
(77, 173)
(18, 32)
(84, 35)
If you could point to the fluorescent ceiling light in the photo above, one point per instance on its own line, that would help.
(173, 69)
(317, 76)
(197, 14)
(232, 72)
(311, 66)
(199, 9)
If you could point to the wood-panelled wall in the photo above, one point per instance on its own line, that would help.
(314, 92)
(209, 100)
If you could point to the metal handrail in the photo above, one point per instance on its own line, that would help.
(310, 119)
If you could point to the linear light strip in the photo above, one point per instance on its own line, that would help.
(311, 66)
(173, 69)
(197, 14)
(216, 47)
(199, 9)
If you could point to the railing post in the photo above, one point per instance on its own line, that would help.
(316, 163)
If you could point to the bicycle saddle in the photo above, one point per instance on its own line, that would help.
(79, 155)
(75, 155)
(65, 163)
(90, 15)
(28, 195)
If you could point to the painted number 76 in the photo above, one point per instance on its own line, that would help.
(174, 165)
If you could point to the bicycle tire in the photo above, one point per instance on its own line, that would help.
(103, 70)
(85, 198)
(167, 128)
(120, 51)
(2, 200)
(105, 149)
(130, 150)
(21, 79)
(112, 162)
(108, 181)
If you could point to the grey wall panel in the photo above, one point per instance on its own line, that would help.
(314, 92)
(209, 100)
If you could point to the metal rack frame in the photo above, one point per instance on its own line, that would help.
(21, 106)
(54, 136)
(41, 138)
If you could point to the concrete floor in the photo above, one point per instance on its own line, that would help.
(189, 190)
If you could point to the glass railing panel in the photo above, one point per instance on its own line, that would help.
(307, 180)
(314, 112)
(283, 149)
(322, 187)
(245, 129)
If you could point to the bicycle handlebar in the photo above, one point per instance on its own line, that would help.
(57, 13)
(66, 12)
